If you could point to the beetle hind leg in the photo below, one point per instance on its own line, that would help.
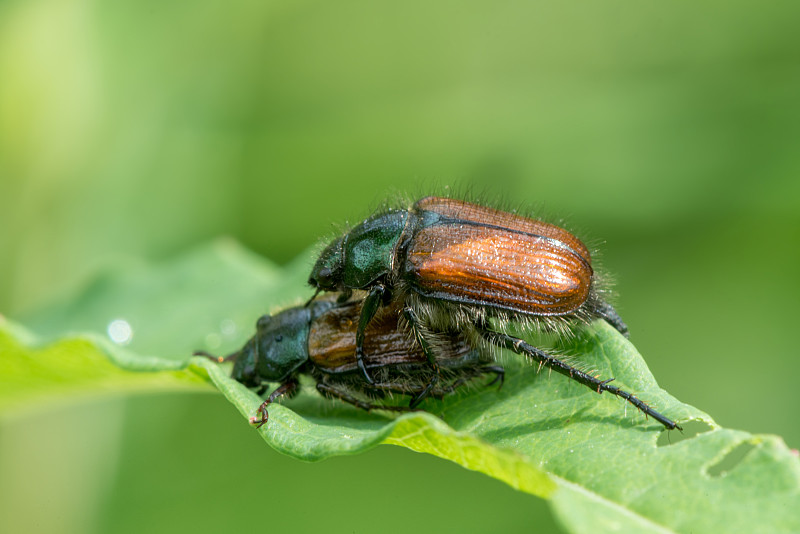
(521, 347)
(332, 392)
(443, 387)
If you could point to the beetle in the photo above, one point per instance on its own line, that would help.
(319, 340)
(456, 265)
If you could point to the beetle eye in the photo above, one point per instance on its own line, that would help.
(278, 338)
(325, 277)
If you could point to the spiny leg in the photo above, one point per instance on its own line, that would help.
(330, 391)
(287, 388)
(414, 323)
(499, 372)
(441, 389)
(395, 387)
(521, 347)
(606, 311)
(406, 389)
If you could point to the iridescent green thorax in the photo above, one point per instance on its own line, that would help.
(364, 255)
(369, 248)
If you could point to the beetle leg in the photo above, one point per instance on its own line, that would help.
(414, 390)
(307, 304)
(500, 374)
(395, 387)
(521, 347)
(287, 388)
(344, 296)
(371, 304)
(330, 391)
(605, 311)
(437, 392)
(414, 323)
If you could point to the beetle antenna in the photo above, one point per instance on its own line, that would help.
(218, 359)
(307, 304)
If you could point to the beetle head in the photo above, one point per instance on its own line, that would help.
(244, 370)
(327, 272)
(281, 343)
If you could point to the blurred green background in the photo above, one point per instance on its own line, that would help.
(666, 132)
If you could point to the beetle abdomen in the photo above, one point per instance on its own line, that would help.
(471, 254)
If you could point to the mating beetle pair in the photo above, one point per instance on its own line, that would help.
(449, 266)
(320, 339)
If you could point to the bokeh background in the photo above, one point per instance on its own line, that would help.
(667, 132)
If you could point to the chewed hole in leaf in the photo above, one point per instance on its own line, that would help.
(690, 430)
(730, 460)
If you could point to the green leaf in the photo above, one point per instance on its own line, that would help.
(76, 367)
(601, 464)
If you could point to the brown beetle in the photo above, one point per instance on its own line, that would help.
(462, 266)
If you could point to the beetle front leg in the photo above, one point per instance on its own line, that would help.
(287, 388)
(414, 323)
(521, 347)
(344, 296)
(372, 302)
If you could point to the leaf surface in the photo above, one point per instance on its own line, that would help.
(602, 464)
